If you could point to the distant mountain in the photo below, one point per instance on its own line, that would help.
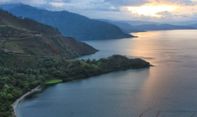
(135, 26)
(27, 37)
(149, 27)
(125, 26)
(193, 25)
(69, 24)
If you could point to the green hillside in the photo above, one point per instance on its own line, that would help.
(25, 36)
(33, 54)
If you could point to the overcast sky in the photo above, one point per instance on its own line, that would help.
(154, 10)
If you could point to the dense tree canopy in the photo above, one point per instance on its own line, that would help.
(19, 77)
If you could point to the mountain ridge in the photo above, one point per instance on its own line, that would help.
(135, 26)
(25, 36)
(69, 24)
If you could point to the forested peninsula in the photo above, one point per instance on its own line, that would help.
(33, 54)
(21, 76)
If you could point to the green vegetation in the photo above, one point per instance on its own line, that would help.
(52, 82)
(25, 36)
(23, 74)
(33, 54)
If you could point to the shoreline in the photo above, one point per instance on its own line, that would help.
(20, 99)
(125, 63)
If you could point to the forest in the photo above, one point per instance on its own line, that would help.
(20, 76)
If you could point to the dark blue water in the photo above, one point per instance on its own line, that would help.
(167, 90)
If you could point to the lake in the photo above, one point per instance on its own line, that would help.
(169, 89)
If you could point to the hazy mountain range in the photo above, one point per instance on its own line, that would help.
(141, 26)
(69, 24)
(27, 37)
(83, 28)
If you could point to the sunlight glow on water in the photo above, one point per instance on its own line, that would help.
(169, 89)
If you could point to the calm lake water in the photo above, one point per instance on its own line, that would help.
(167, 90)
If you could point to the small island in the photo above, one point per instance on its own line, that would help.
(24, 74)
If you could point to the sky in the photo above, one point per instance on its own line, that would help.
(145, 10)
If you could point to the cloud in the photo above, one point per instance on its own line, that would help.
(117, 9)
(164, 10)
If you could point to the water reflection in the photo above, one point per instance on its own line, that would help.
(167, 89)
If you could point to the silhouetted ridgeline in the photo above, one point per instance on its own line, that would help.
(69, 24)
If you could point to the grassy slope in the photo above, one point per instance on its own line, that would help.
(53, 81)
